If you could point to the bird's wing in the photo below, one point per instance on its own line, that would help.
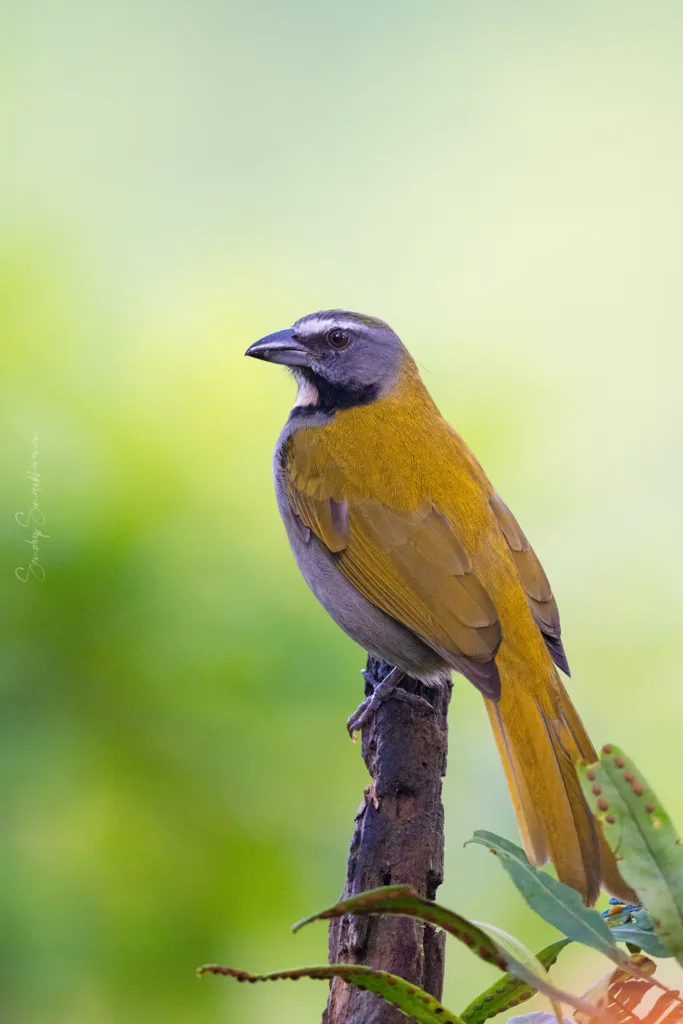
(411, 565)
(534, 580)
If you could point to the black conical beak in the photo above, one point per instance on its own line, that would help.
(281, 347)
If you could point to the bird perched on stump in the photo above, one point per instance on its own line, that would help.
(402, 538)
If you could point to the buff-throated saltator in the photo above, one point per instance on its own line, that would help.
(401, 537)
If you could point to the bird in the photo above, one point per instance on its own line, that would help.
(402, 538)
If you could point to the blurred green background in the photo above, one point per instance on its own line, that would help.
(502, 183)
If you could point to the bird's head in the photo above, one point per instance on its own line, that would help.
(340, 359)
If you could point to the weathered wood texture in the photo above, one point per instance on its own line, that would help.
(398, 838)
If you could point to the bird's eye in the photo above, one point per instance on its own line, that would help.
(338, 338)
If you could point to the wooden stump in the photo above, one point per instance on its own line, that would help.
(398, 839)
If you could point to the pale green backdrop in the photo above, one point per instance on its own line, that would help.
(502, 182)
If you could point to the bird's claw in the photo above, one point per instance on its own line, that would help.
(357, 720)
(383, 691)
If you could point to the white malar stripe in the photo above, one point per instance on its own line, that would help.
(307, 393)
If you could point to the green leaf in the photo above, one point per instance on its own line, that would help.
(509, 991)
(404, 901)
(514, 951)
(644, 840)
(520, 954)
(414, 1002)
(484, 941)
(632, 924)
(647, 941)
(555, 902)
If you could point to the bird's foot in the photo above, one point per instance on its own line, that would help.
(383, 691)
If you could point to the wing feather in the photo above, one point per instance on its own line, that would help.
(412, 565)
(534, 580)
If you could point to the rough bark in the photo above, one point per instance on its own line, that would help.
(398, 838)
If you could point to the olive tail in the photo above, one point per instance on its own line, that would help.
(540, 738)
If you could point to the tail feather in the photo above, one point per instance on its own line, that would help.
(540, 738)
(529, 823)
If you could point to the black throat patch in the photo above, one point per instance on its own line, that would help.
(332, 397)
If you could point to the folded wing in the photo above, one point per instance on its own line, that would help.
(413, 566)
(535, 582)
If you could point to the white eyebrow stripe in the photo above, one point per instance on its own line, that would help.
(325, 323)
(315, 325)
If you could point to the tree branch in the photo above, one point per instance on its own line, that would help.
(398, 838)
